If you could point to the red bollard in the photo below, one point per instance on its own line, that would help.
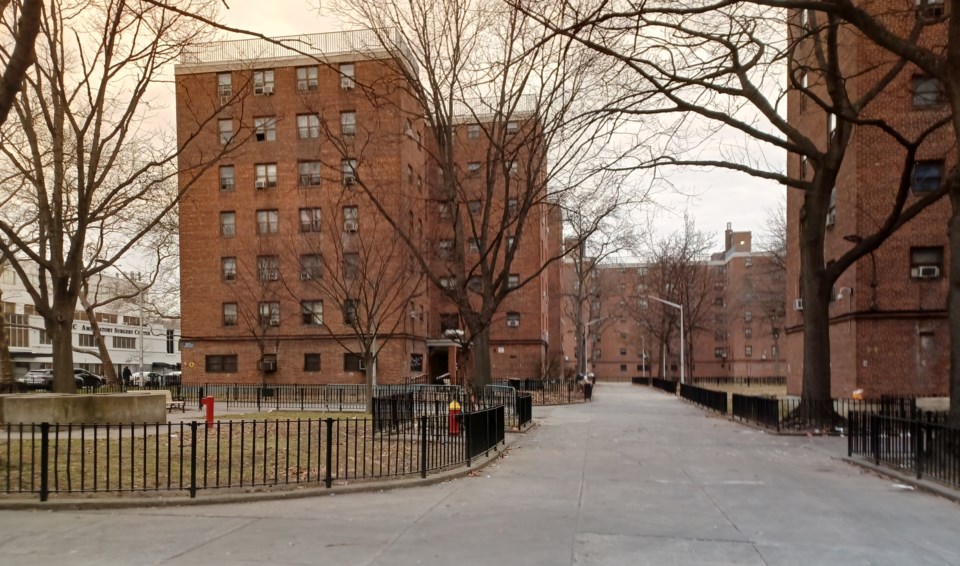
(454, 418)
(208, 403)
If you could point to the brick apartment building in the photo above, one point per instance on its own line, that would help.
(280, 249)
(736, 300)
(888, 329)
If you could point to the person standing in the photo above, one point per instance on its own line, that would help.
(126, 376)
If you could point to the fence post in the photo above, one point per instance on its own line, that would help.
(328, 477)
(854, 428)
(259, 391)
(44, 461)
(875, 437)
(301, 398)
(423, 447)
(467, 433)
(917, 434)
(200, 398)
(193, 459)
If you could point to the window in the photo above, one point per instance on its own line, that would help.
(308, 126)
(351, 218)
(718, 302)
(311, 266)
(513, 168)
(449, 321)
(475, 284)
(748, 351)
(832, 208)
(224, 86)
(221, 364)
(268, 267)
(109, 318)
(170, 341)
(131, 320)
(263, 82)
(306, 78)
(44, 338)
(804, 87)
(226, 131)
(350, 311)
(228, 223)
(473, 169)
(623, 367)
(747, 261)
(348, 123)
(347, 77)
(310, 220)
(803, 167)
(511, 242)
(269, 313)
(409, 174)
(474, 245)
(448, 282)
(927, 92)
(229, 314)
(720, 352)
(513, 281)
(18, 327)
(623, 351)
(443, 210)
(513, 319)
(311, 313)
(474, 207)
(267, 222)
(927, 176)
(831, 125)
(308, 173)
(748, 332)
(352, 362)
(265, 128)
(416, 362)
(87, 341)
(348, 167)
(747, 316)
(512, 128)
(512, 207)
(929, 9)
(473, 131)
(228, 268)
(265, 175)
(311, 362)
(445, 249)
(926, 262)
(351, 265)
(227, 178)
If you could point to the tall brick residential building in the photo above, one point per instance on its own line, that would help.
(736, 299)
(282, 252)
(888, 330)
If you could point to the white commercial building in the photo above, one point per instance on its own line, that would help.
(133, 340)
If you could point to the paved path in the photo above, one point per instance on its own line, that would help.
(635, 477)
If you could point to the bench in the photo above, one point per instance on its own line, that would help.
(174, 404)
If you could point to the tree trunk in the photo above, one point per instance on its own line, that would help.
(953, 306)
(6, 362)
(60, 329)
(370, 370)
(105, 361)
(481, 359)
(816, 300)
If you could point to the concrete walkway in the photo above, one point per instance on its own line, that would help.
(636, 477)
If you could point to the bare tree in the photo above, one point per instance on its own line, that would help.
(23, 20)
(84, 181)
(482, 66)
(721, 62)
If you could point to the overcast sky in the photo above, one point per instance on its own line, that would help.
(712, 198)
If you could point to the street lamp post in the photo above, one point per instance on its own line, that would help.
(682, 342)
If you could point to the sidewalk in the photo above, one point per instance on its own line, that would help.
(635, 477)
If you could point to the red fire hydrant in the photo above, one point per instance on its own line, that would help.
(454, 423)
(208, 403)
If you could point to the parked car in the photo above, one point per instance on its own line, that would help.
(89, 379)
(42, 379)
(146, 379)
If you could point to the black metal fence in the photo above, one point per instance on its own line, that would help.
(764, 411)
(928, 449)
(546, 391)
(641, 381)
(667, 385)
(524, 410)
(713, 400)
(721, 381)
(826, 416)
(189, 457)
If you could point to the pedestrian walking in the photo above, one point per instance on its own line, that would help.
(126, 376)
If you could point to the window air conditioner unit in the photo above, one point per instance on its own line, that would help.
(513, 323)
(346, 83)
(268, 365)
(305, 275)
(224, 98)
(798, 304)
(260, 184)
(273, 276)
(350, 225)
(267, 89)
(928, 271)
(349, 179)
(274, 322)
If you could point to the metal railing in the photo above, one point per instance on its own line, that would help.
(546, 391)
(826, 416)
(928, 449)
(189, 457)
(740, 381)
(667, 385)
(524, 410)
(713, 400)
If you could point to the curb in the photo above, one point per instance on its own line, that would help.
(911, 480)
(268, 494)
